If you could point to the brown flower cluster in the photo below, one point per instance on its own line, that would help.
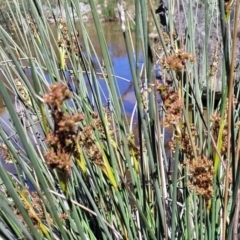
(172, 103)
(177, 61)
(58, 94)
(202, 173)
(88, 143)
(87, 138)
(63, 140)
(185, 143)
(33, 205)
(201, 170)
(70, 43)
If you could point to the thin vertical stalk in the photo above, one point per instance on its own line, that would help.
(201, 234)
(174, 195)
(145, 132)
(144, 19)
(187, 203)
(231, 142)
(196, 212)
(213, 205)
(137, 36)
(209, 230)
(206, 71)
(226, 60)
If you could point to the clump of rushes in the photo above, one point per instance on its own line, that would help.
(202, 176)
(63, 140)
(201, 170)
(92, 148)
(69, 141)
(173, 104)
(177, 61)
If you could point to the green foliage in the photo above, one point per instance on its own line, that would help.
(80, 171)
(108, 11)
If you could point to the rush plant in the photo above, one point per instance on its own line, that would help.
(80, 172)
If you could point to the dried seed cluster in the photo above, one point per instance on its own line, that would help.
(202, 173)
(185, 143)
(87, 138)
(68, 136)
(33, 205)
(177, 61)
(201, 170)
(31, 23)
(63, 140)
(172, 103)
(88, 143)
(68, 41)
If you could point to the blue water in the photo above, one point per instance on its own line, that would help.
(126, 92)
(121, 69)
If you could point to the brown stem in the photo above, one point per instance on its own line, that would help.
(230, 112)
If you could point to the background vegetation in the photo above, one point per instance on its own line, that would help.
(81, 173)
